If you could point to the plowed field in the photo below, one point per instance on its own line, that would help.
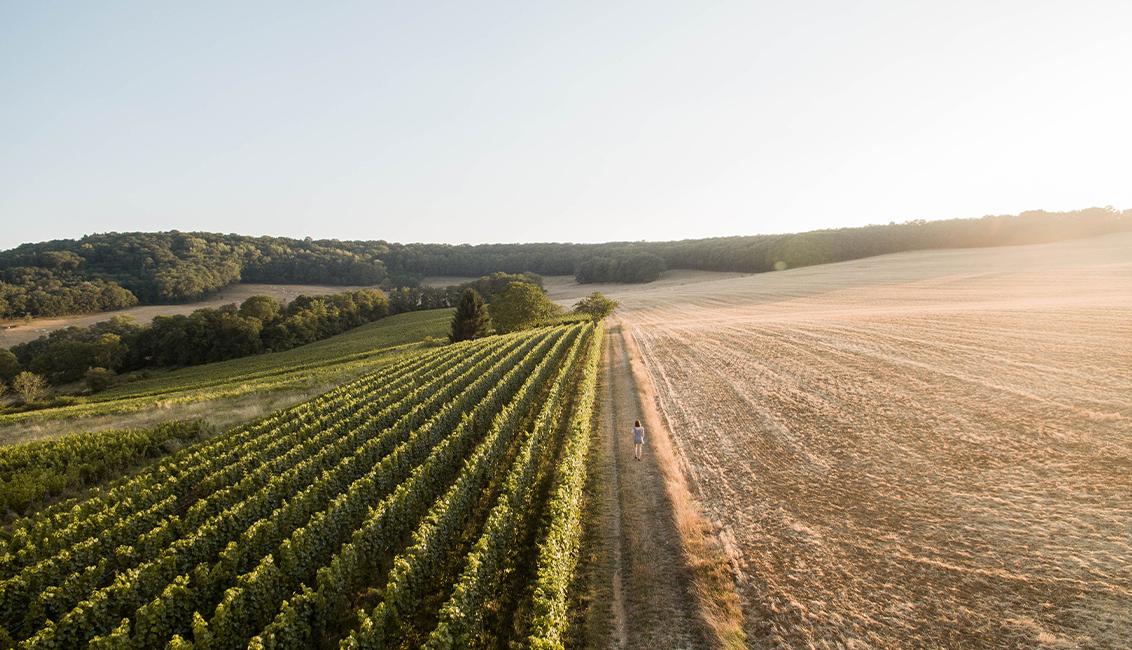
(928, 448)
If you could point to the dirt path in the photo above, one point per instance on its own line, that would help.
(651, 605)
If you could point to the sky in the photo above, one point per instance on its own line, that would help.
(469, 122)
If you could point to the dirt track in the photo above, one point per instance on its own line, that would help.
(925, 449)
(650, 606)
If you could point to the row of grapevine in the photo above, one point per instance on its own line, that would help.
(175, 484)
(58, 567)
(461, 620)
(424, 504)
(20, 546)
(265, 587)
(558, 550)
(33, 472)
(262, 484)
(435, 544)
(439, 468)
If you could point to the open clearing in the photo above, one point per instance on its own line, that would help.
(925, 448)
(237, 293)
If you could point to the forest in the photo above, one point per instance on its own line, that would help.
(114, 270)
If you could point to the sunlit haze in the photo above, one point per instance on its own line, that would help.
(483, 122)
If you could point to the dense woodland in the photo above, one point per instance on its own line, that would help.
(114, 270)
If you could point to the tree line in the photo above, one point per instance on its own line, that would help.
(99, 352)
(115, 270)
(259, 324)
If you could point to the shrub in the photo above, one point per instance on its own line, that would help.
(99, 379)
(30, 386)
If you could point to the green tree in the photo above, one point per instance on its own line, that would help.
(471, 319)
(521, 305)
(9, 365)
(262, 308)
(108, 351)
(596, 305)
(30, 386)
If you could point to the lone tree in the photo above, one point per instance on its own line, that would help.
(471, 320)
(521, 305)
(596, 306)
(30, 386)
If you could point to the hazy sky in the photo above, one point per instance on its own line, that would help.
(555, 121)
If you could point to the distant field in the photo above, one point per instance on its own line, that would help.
(565, 291)
(926, 448)
(237, 293)
(230, 391)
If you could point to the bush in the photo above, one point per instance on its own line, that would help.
(99, 379)
(30, 386)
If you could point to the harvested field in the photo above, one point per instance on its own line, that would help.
(928, 448)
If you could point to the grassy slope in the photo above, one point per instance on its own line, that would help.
(230, 391)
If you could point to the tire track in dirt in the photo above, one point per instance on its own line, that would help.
(652, 605)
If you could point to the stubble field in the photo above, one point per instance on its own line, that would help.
(925, 449)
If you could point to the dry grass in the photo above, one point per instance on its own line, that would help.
(927, 448)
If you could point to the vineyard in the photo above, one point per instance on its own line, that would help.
(434, 502)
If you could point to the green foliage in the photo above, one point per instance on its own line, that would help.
(521, 305)
(558, 550)
(596, 305)
(263, 536)
(262, 308)
(463, 621)
(627, 267)
(116, 270)
(205, 336)
(491, 285)
(471, 320)
(35, 471)
(9, 365)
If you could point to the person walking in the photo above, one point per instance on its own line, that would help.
(638, 439)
